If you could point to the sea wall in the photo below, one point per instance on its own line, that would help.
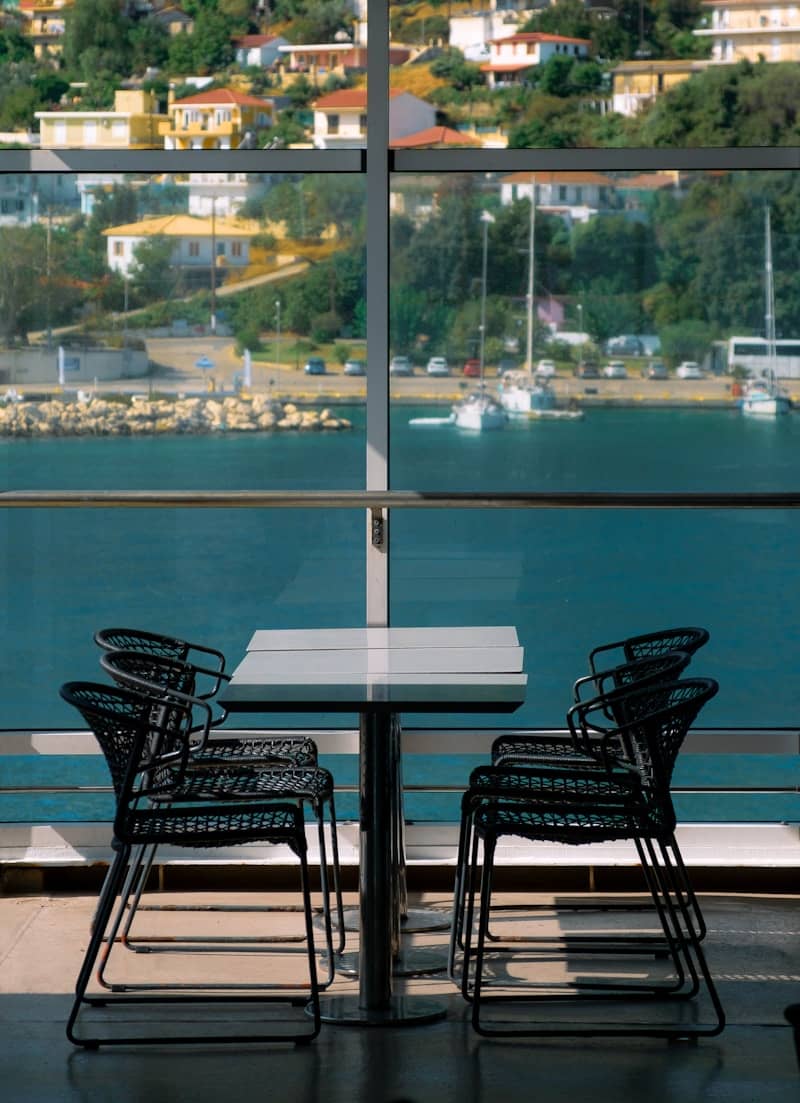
(81, 365)
(142, 416)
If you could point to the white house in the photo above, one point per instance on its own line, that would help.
(510, 57)
(197, 242)
(472, 31)
(224, 192)
(259, 50)
(340, 119)
(572, 196)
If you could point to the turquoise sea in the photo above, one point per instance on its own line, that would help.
(567, 579)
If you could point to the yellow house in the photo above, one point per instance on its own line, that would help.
(133, 124)
(217, 119)
(746, 30)
(636, 84)
(197, 243)
(45, 26)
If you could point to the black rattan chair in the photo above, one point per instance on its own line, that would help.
(235, 777)
(567, 803)
(578, 746)
(146, 747)
(604, 673)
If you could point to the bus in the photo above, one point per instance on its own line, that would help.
(752, 354)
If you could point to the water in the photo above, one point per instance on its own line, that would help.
(567, 579)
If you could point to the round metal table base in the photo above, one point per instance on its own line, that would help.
(412, 961)
(417, 919)
(402, 1011)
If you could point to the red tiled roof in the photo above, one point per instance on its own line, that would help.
(559, 178)
(223, 95)
(254, 39)
(434, 136)
(540, 36)
(350, 97)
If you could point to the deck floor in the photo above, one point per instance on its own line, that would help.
(753, 947)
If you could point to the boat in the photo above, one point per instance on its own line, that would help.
(479, 411)
(763, 397)
(521, 394)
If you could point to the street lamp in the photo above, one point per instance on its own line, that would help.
(277, 333)
(213, 265)
(486, 218)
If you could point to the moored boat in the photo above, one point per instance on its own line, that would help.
(479, 411)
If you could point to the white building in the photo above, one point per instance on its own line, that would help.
(509, 58)
(572, 196)
(471, 32)
(29, 197)
(340, 119)
(258, 50)
(197, 242)
(223, 192)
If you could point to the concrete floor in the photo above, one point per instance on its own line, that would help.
(753, 948)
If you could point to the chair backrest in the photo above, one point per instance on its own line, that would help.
(651, 724)
(153, 643)
(145, 744)
(665, 667)
(650, 644)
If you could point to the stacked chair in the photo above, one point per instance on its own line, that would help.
(284, 769)
(148, 741)
(606, 780)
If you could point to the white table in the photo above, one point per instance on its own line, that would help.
(379, 672)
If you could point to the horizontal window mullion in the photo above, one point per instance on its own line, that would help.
(183, 161)
(595, 160)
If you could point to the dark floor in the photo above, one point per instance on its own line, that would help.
(753, 948)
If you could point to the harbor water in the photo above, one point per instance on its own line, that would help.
(567, 579)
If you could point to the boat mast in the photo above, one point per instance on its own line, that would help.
(529, 296)
(486, 218)
(769, 316)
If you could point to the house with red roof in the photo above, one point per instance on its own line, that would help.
(572, 196)
(511, 57)
(218, 118)
(340, 118)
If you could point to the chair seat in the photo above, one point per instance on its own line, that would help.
(566, 822)
(208, 825)
(306, 783)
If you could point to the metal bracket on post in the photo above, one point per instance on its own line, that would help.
(378, 529)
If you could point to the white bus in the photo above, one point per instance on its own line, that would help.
(752, 354)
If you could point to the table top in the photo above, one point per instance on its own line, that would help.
(429, 669)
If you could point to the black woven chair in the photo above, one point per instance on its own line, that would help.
(146, 747)
(573, 805)
(236, 777)
(578, 746)
(604, 673)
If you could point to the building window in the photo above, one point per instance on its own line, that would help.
(333, 124)
(236, 248)
(194, 248)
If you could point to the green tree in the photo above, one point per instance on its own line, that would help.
(152, 276)
(212, 48)
(96, 38)
(23, 260)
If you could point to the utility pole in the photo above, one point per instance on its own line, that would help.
(213, 265)
(529, 296)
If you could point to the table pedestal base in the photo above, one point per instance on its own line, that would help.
(411, 961)
(401, 1011)
(414, 921)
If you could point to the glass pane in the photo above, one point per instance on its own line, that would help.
(637, 74)
(572, 580)
(208, 575)
(188, 332)
(96, 75)
(617, 339)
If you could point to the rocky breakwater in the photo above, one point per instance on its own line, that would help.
(94, 416)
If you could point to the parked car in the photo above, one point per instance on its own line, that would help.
(315, 365)
(624, 345)
(437, 365)
(656, 369)
(355, 367)
(400, 365)
(615, 369)
(472, 366)
(546, 369)
(689, 369)
(587, 369)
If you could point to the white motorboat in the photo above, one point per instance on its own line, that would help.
(479, 411)
(522, 394)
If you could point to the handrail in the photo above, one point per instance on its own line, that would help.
(392, 499)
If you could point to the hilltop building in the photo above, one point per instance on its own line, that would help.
(511, 57)
(219, 118)
(572, 196)
(748, 30)
(133, 124)
(340, 119)
(197, 242)
(45, 26)
(637, 84)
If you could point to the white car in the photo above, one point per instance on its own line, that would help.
(546, 369)
(615, 369)
(437, 365)
(400, 365)
(689, 369)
